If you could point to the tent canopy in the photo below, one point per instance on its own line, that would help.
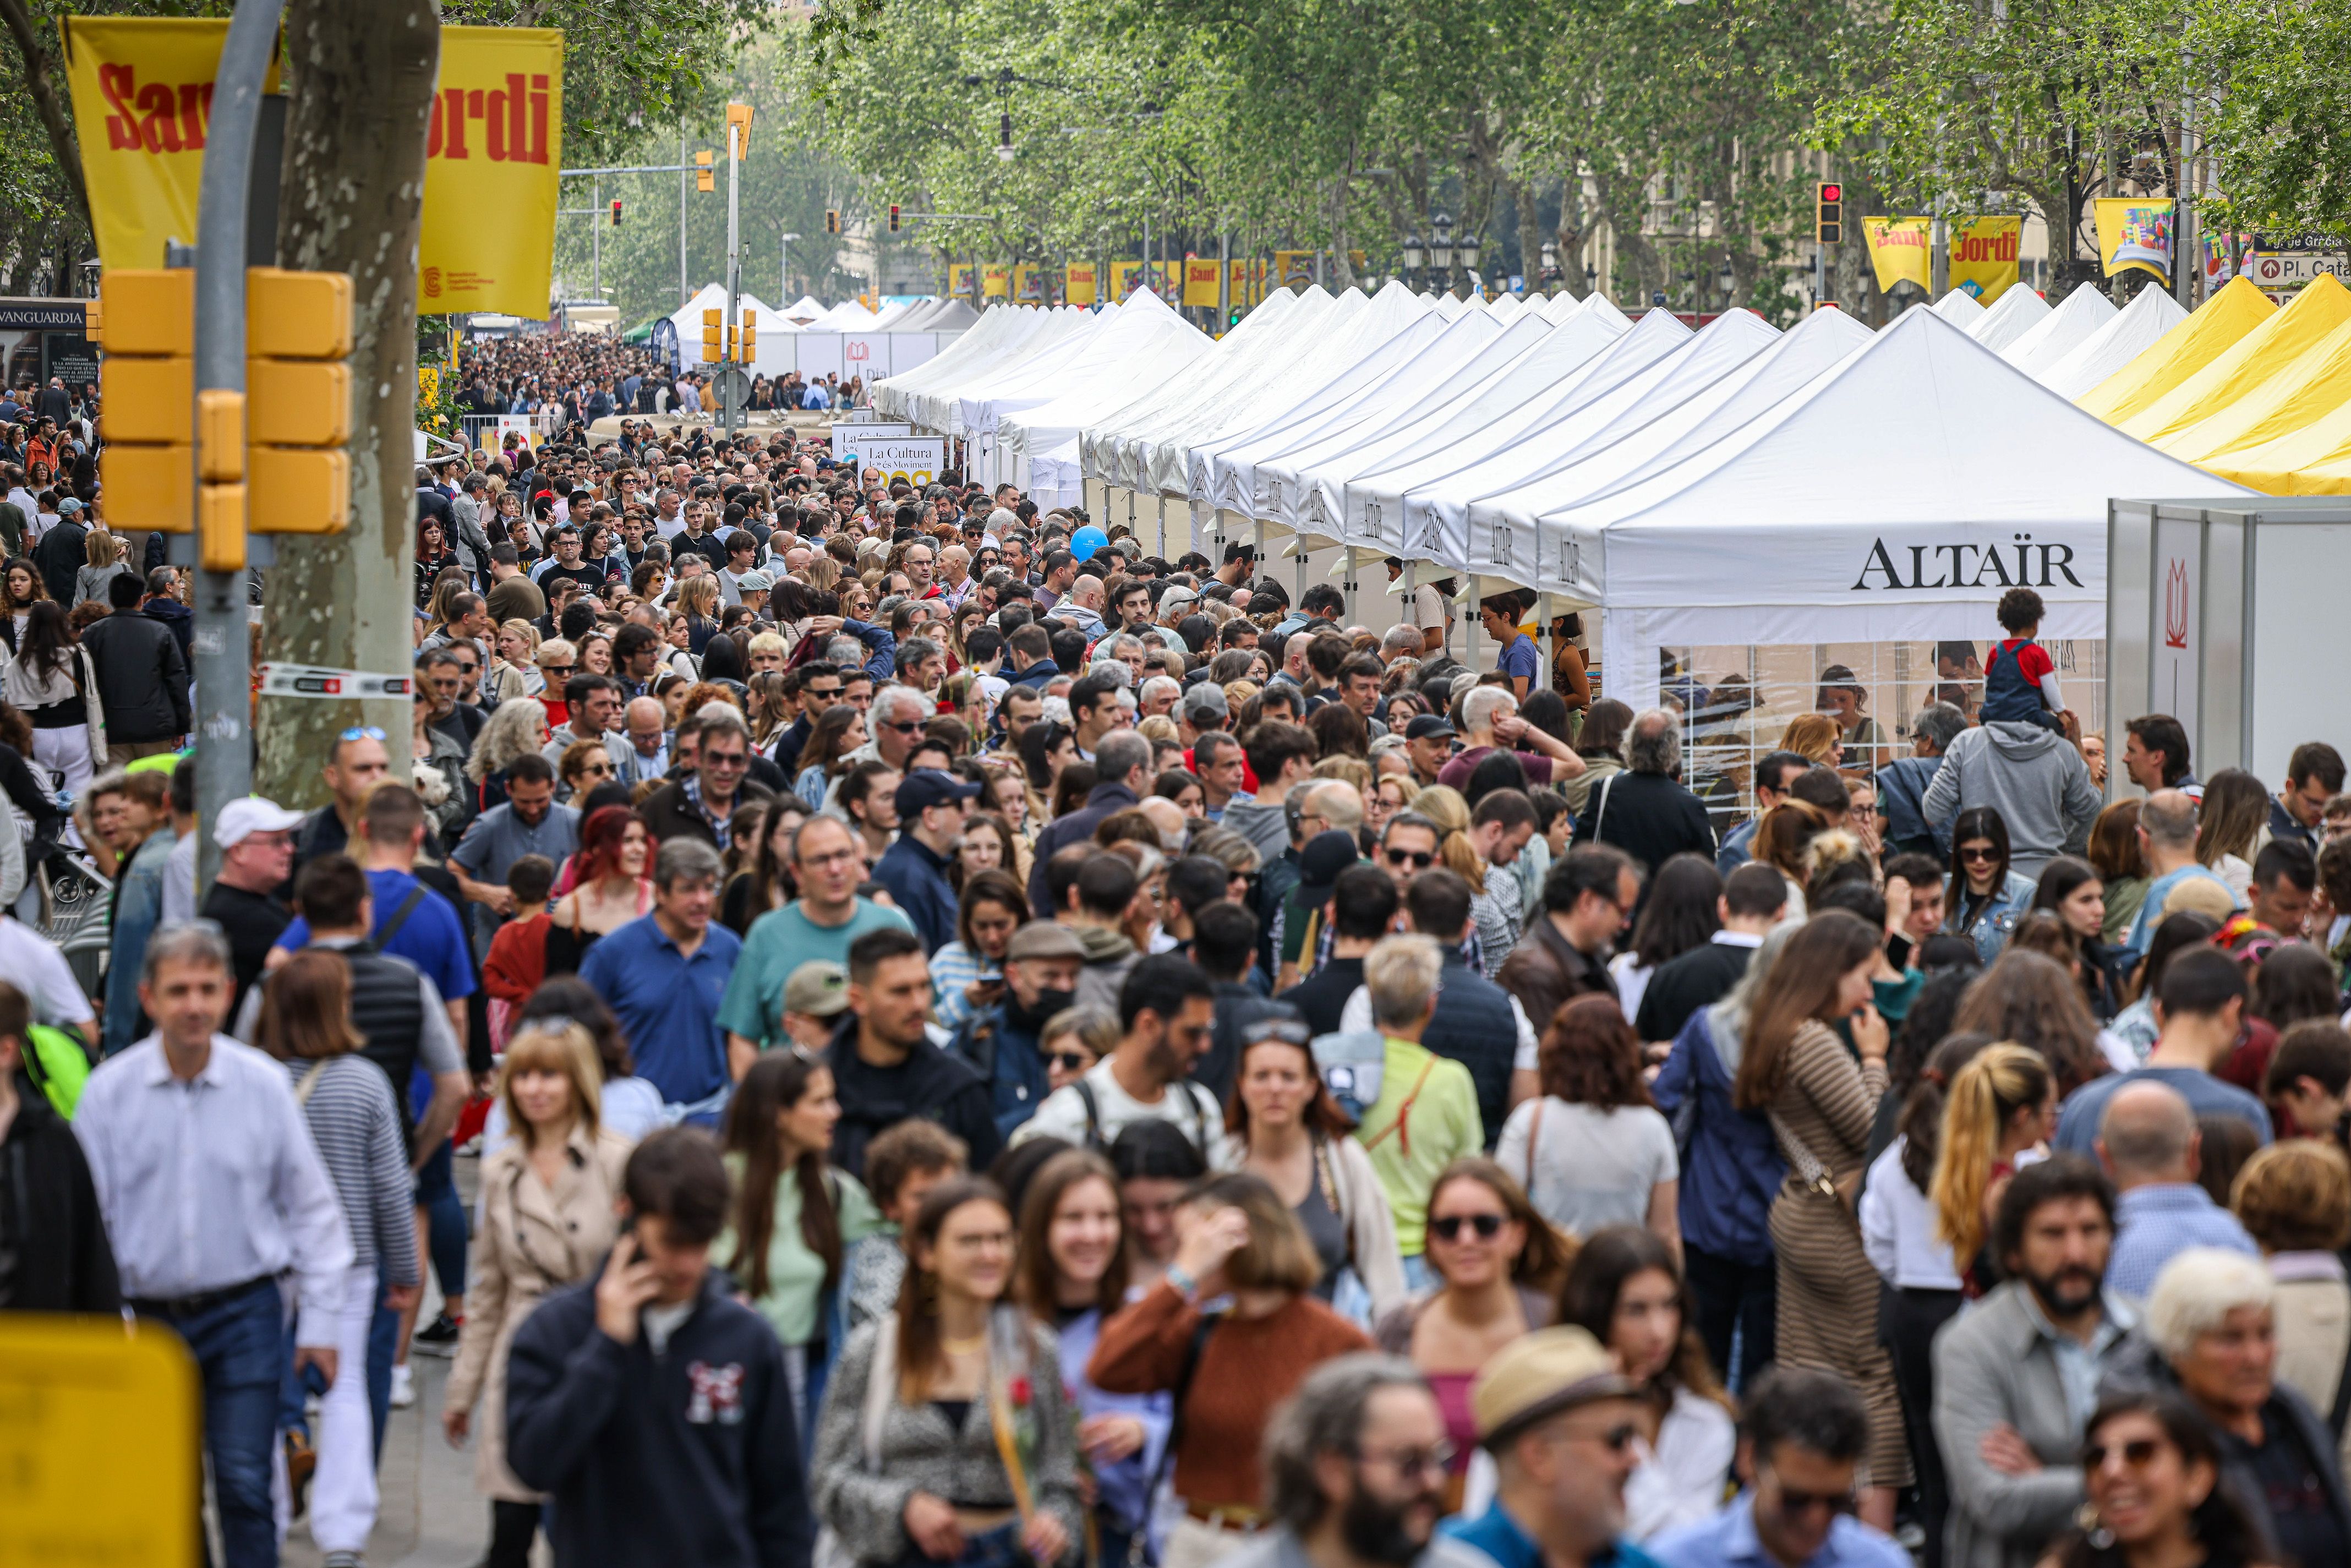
(2082, 317)
(2137, 328)
(2196, 342)
(2011, 316)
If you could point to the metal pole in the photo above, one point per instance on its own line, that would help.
(596, 238)
(732, 417)
(1224, 280)
(685, 190)
(2185, 262)
(222, 649)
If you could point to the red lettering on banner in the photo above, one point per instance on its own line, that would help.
(155, 117)
(118, 83)
(515, 119)
(159, 117)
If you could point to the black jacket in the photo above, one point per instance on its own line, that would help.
(929, 1084)
(60, 556)
(692, 1455)
(49, 1218)
(1238, 1007)
(1322, 996)
(1106, 800)
(178, 619)
(1648, 816)
(668, 814)
(142, 680)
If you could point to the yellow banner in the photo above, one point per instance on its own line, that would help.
(1901, 249)
(1985, 257)
(496, 145)
(1079, 282)
(1125, 277)
(1292, 268)
(2136, 233)
(1249, 282)
(1027, 284)
(958, 279)
(1200, 277)
(995, 279)
(142, 91)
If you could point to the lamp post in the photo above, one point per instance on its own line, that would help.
(1412, 253)
(1730, 281)
(1590, 279)
(784, 267)
(1440, 253)
(1550, 267)
(1469, 245)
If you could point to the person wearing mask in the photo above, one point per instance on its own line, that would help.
(1005, 1043)
(1290, 1131)
(1563, 1425)
(884, 1067)
(1228, 1373)
(919, 1451)
(1167, 1010)
(666, 975)
(1588, 899)
(606, 1410)
(2199, 1002)
(209, 1199)
(1352, 1467)
(2209, 1335)
(1801, 1438)
(547, 1215)
(53, 1238)
(2151, 1149)
(794, 1218)
(1821, 1104)
(1497, 1266)
(1073, 1275)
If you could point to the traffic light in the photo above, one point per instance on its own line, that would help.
(705, 177)
(710, 346)
(750, 336)
(1828, 216)
(1234, 318)
(832, 220)
(616, 211)
(270, 459)
(893, 217)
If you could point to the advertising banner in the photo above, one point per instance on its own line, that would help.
(2133, 232)
(850, 442)
(995, 279)
(1985, 257)
(1293, 268)
(1200, 277)
(1901, 251)
(1027, 283)
(958, 280)
(1080, 282)
(1125, 277)
(916, 459)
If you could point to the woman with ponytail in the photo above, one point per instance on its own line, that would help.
(2001, 1104)
(795, 1216)
(1496, 926)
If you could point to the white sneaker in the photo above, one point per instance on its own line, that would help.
(404, 1387)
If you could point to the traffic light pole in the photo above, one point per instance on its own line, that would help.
(223, 675)
(730, 416)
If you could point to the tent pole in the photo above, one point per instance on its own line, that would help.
(1412, 609)
(1476, 601)
(1347, 565)
(1549, 649)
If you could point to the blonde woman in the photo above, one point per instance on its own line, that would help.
(514, 664)
(546, 1215)
(1495, 916)
(102, 554)
(2002, 1104)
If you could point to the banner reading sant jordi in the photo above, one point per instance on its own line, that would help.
(1899, 251)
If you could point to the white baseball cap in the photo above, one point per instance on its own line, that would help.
(250, 814)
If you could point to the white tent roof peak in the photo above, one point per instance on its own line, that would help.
(2135, 328)
(2063, 329)
(2011, 316)
(1959, 306)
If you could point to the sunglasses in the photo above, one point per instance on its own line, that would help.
(1977, 856)
(361, 732)
(1420, 860)
(1794, 1501)
(1068, 1061)
(721, 759)
(1486, 1226)
(908, 726)
(559, 669)
(2138, 1454)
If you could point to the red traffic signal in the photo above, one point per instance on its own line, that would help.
(1828, 213)
(893, 217)
(1832, 193)
(616, 211)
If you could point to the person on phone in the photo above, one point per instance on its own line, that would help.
(1820, 1103)
(651, 1405)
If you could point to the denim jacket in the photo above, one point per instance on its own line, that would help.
(137, 910)
(1995, 920)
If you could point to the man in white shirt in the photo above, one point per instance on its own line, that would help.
(1168, 1009)
(213, 1192)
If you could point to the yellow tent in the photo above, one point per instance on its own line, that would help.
(2265, 351)
(2314, 460)
(2294, 397)
(2180, 353)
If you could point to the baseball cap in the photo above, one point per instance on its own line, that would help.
(818, 987)
(755, 582)
(1539, 1374)
(1327, 854)
(1429, 726)
(1044, 939)
(928, 787)
(1208, 697)
(250, 814)
(69, 507)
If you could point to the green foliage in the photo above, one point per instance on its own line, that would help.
(2282, 125)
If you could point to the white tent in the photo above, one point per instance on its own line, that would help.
(1895, 498)
(848, 316)
(2135, 328)
(939, 406)
(804, 309)
(1146, 338)
(1959, 307)
(996, 336)
(2011, 316)
(1099, 455)
(2084, 313)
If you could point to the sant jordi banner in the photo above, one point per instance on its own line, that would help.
(2136, 233)
(1901, 251)
(141, 91)
(1985, 257)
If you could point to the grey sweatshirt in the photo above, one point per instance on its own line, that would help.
(2035, 778)
(1267, 827)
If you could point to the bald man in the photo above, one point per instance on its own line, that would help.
(646, 755)
(1082, 608)
(1168, 818)
(2151, 1146)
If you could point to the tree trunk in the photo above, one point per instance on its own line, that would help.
(352, 201)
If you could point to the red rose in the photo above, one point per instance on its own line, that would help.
(1020, 1390)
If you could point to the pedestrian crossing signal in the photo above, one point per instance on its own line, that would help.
(1828, 218)
(832, 220)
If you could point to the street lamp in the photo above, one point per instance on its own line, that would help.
(784, 267)
(1440, 252)
(1591, 279)
(1469, 260)
(1730, 281)
(1550, 267)
(1412, 255)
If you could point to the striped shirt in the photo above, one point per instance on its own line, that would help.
(356, 1126)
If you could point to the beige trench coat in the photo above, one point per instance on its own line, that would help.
(531, 1241)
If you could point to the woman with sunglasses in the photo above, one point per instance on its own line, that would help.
(586, 764)
(1073, 1041)
(547, 1214)
(2151, 1476)
(795, 1215)
(836, 732)
(1291, 1133)
(1986, 899)
(1499, 1265)
(1627, 1288)
(611, 885)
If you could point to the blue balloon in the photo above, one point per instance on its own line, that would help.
(1086, 540)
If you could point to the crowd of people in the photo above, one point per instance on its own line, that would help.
(982, 1044)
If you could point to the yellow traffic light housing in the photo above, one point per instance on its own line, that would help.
(738, 115)
(148, 384)
(832, 220)
(705, 177)
(710, 347)
(297, 335)
(750, 336)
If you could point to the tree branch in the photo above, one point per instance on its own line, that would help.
(41, 85)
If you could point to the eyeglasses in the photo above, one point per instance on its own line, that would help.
(2137, 1454)
(559, 669)
(1486, 1226)
(722, 760)
(1420, 860)
(904, 727)
(594, 767)
(361, 732)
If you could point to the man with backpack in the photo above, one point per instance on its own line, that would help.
(1168, 1011)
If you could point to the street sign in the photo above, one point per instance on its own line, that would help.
(916, 459)
(98, 1443)
(735, 380)
(323, 682)
(2292, 269)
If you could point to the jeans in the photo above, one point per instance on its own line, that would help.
(1737, 1302)
(998, 1548)
(239, 1347)
(444, 1214)
(382, 1348)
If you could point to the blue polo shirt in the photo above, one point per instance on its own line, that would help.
(431, 938)
(916, 877)
(1497, 1535)
(1729, 1540)
(667, 1003)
